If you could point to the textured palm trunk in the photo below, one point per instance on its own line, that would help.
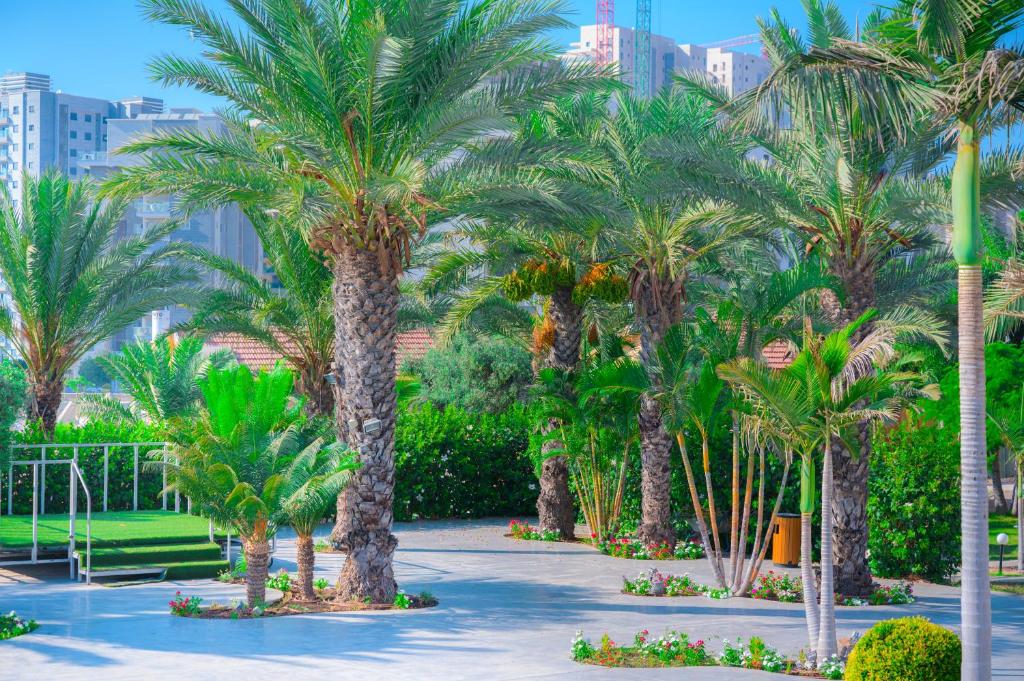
(319, 395)
(827, 642)
(1002, 506)
(305, 560)
(365, 310)
(657, 310)
(734, 547)
(1020, 513)
(44, 404)
(257, 559)
(850, 498)
(702, 527)
(554, 503)
(966, 243)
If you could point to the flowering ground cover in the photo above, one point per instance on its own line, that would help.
(785, 588)
(676, 649)
(631, 547)
(12, 625)
(518, 529)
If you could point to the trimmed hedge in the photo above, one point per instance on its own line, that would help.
(914, 502)
(457, 464)
(906, 649)
(90, 460)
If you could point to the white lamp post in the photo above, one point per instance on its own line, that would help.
(1002, 539)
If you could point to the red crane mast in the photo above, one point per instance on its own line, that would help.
(605, 23)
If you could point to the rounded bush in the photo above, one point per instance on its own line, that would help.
(906, 649)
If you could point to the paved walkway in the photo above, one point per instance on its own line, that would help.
(508, 612)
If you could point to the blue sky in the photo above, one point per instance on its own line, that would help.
(101, 49)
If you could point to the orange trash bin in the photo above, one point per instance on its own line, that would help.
(786, 540)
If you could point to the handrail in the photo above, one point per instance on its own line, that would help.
(88, 523)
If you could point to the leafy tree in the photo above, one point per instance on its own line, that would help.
(91, 370)
(362, 108)
(478, 374)
(162, 377)
(13, 388)
(247, 459)
(73, 282)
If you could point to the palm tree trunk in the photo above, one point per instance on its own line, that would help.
(734, 546)
(45, 396)
(811, 614)
(319, 395)
(365, 309)
(702, 528)
(1020, 513)
(257, 558)
(975, 602)
(554, 503)
(827, 643)
(1002, 507)
(305, 560)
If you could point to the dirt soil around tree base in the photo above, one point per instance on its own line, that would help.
(291, 604)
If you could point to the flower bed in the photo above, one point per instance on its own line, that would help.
(654, 583)
(12, 625)
(520, 530)
(788, 589)
(631, 547)
(675, 649)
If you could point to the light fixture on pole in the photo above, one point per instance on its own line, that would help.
(1002, 539)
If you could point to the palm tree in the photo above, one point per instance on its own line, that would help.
(552, 248)
(946, 56)
(294, 320)
(349, 117)
(162, 377)
(316, 477)
(835, 384)
(74, 282)
(236, 462)
(663, 235)
(853, 188)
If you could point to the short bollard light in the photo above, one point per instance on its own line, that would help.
(1002, 539)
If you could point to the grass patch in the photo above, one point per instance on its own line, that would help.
(1002, 523)
(113, 528)
(1016, 589)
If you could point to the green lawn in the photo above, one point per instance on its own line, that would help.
(113, 528)
(1007, 524)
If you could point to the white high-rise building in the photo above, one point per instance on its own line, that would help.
(737, 71)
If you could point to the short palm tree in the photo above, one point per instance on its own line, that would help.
(835, 383)
(949, 57)
(316, 477)
(349, 117)
(74, 283)
(294, 319)
(237, 462)
(162, 377)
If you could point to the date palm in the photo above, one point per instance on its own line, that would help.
(73, 282)
(294, 320)
(946, 56)
(834, 384)
(853, 188)
(350, 118)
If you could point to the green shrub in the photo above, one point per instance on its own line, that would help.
(90, 460)
(906, 649)
(914, 502)
(476, 374)
(455, 464)
(13, 389)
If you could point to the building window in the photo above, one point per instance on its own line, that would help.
(30, 164)
(74, 134)
(88, 135)
(74, 116)
(14, 147)
(16, 110)
(714, 67)
(88, 118)
(15, 128)
(74, 171)
(31, 108)
(31, 127)
(73, 153)
(31, 145)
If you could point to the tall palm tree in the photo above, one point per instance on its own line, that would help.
(74, 283)
(350, 117)
(162, 377)
(295, 319)
(664, 236)
(836, 383)
(853, 188)
(947, 56)
(524, 249)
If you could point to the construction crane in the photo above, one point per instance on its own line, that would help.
(642, 50)
(605, 24)
(738, 41)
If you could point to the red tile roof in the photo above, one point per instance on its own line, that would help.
(778, 354)
(411, 344)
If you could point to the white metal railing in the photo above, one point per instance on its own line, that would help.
(88, 525)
